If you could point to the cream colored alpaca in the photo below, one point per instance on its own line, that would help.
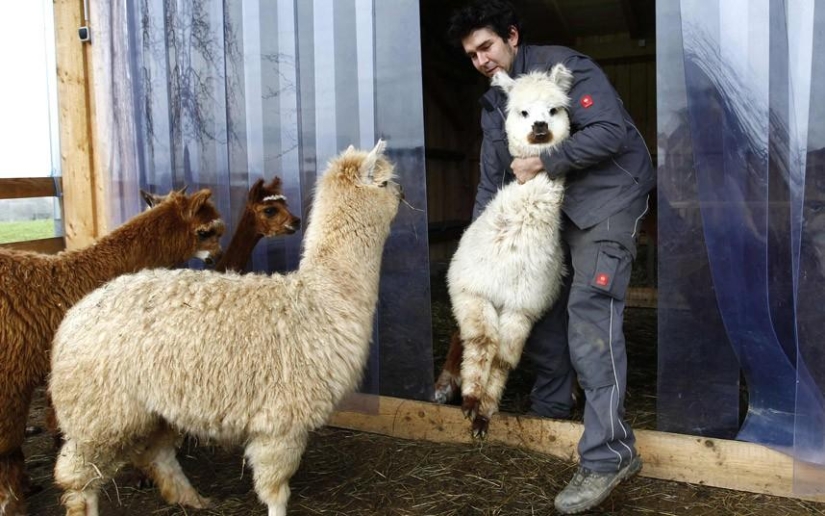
(254, 359)
(508, 268)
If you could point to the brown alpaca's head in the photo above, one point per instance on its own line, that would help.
(364, 183)
(268, 204)
(200, 226)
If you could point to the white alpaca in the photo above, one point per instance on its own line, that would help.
(508, 268)
(254, 359)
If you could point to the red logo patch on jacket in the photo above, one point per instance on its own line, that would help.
(586, 101)
(602, 279)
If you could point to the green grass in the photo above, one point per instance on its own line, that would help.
(26, 230)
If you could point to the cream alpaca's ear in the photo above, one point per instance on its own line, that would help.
(503, 81)
(368, 167)
(562, 76)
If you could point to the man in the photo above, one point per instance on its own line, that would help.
(608, 174)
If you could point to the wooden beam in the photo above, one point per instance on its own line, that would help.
(619, 48)
(74, 118)
(632, 20)
(46, 245)
(684, 458)
(642, 297)
(563, 33)
(28, 187)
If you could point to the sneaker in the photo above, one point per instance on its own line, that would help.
(590, 488)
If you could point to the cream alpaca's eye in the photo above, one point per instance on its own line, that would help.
(553, 111)
(524, 114)
(384, 184)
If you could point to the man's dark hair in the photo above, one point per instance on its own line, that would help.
(497, 15)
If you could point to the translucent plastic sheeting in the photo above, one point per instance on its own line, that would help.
(741, 178)
(220, 93)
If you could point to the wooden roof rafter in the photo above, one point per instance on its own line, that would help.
(634, 25)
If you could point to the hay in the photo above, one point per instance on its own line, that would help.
(358, 474)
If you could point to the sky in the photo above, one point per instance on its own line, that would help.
(27, 59)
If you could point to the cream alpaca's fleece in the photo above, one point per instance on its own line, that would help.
(508, 268)
(255, 359)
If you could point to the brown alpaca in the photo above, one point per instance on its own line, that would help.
(448, 384)
(36, 290)
(265, 215)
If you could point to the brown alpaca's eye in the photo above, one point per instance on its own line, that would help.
(269, 211)
(204, 234)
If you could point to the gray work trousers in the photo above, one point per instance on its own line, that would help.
(581, 336)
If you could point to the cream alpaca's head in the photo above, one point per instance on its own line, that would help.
(363, 182)
(537, 104)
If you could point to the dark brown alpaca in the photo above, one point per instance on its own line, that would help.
(36, 290)
(448, 384)
(265, 215)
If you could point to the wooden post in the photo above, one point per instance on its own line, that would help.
(75, 116)
(684, 458)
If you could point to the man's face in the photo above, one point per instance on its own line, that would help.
(489, 53)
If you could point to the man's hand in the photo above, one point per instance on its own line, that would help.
(526, 169)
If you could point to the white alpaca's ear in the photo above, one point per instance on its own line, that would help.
(350, 148)
(503, 81)
(562, 76)
(368, 167)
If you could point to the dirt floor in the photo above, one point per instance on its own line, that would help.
(359, 474)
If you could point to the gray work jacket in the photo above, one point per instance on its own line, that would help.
(605, 161)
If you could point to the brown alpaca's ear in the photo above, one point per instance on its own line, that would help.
(151, 200)
(255, 193)
(196, 202)
(182, 191)
(275, 185)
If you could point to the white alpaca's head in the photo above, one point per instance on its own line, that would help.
(537, 105)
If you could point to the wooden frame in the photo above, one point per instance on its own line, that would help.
(714, 462)
(82, 186)
(684, 458)
(28, 187)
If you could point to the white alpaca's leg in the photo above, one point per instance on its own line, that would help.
(478, 321)
(274, 459)
(515, 329)
(158, 459)
(80, 471)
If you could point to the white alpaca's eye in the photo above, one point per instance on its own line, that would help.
(524, 114)
(553, 111)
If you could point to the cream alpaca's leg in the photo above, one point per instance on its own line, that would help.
(159, 461)
(515, 329)
(478, 320)
(274, 460)
(80, 471)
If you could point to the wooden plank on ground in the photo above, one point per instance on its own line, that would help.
(697, 460)
(45, 245)
(642, 297)
(27, 187)
(74, 118)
